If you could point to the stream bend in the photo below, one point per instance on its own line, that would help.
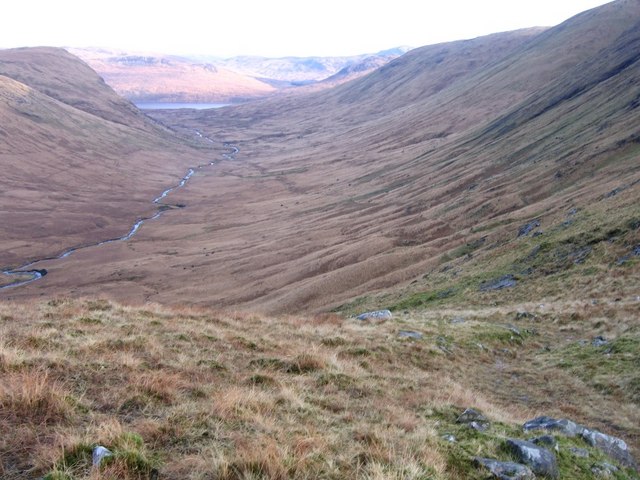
(30, 275)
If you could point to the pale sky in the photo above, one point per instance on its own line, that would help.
(269, 27)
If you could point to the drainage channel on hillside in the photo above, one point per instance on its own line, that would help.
(34, 274)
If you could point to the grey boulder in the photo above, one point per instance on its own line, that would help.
(614, 447)
(540, 460)
(505, 470)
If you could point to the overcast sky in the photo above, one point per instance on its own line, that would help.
(269, 27)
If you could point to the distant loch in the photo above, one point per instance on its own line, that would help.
(171, 106)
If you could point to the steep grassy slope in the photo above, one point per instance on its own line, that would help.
(79, 163)
(194, 394)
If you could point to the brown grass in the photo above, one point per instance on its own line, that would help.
(199, 394)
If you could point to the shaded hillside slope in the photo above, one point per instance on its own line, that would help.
(60, 75)
(79, 163)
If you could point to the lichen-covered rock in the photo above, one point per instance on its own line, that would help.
(378, 315)
(614, 447)
(564, 426)
(505, 470)
(540, 460)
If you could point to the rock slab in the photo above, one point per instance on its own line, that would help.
(505, 470)
(540, 460)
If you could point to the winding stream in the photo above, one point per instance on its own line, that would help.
(33, 274)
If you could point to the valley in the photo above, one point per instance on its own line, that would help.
(184, 284)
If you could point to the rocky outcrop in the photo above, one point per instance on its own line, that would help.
(527, 228)
(614, 447)
(564, 426)
(377, 315)
(506, 281)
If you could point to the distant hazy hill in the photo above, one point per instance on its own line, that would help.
(305, 69)
(163, 78)
(148, 78)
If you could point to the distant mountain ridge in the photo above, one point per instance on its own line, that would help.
(142, 77)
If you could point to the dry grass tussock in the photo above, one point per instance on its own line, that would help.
(195, 394)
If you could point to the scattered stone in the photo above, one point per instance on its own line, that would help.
(572, 212)
(506, 281)
(449, 438)
(525, 229)
(533, 253)
(375, 315)
(614, 447)
(474, 419)
(580, 255)
(409, 334)
(599, 341)
(579, 452)
(471, 415)
(622, 260)
(604, 469)
(564, 426)
(614, 192)
(478, 427)
(513, 329)
(539, 459)
(505, 470)
(99, 453)
(446, 293)
(443, 344)
(524, 315)
(545, 440)
(456, 320)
